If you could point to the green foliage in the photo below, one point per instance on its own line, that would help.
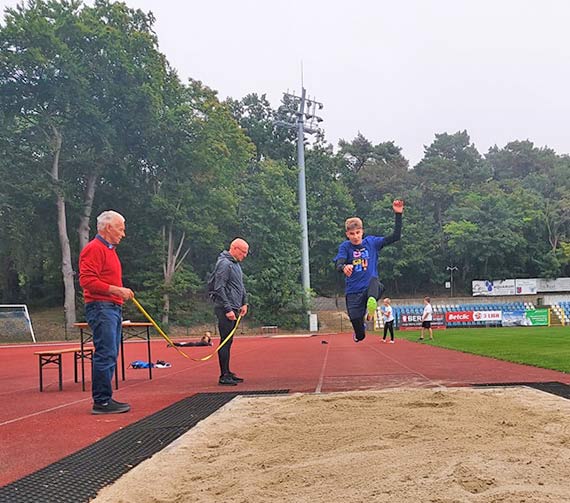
(268, 221)
(328, 205)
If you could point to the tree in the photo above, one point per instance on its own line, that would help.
(82, 85)
(200, 157)
(37, 92)
(255, 115)
(268, 221)
(370, 171)
(329, 204)
(451, 165)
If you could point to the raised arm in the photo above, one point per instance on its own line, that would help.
(398, 207)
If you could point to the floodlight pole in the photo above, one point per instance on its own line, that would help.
(306, 277)
(294, 110)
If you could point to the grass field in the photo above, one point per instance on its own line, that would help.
(546, 347)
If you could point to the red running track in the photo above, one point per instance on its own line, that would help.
(37, 429)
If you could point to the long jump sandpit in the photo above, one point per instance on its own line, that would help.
(406, 445)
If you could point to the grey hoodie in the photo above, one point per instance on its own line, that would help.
(229, 290)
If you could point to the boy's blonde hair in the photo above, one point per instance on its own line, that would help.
(353, 223)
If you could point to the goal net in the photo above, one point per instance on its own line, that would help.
(15, 323)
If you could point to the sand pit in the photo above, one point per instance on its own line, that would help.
(452, 445)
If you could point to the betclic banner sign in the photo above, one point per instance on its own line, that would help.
(472, 316)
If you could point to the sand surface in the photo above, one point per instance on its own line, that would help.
(421, 445)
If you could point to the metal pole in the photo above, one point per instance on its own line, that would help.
(451, 268)
(303, 197)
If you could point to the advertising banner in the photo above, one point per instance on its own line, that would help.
(537, 317)
(414, 321)
(526, 286)
(459, 316)
(472, 316)
(553, 285)
(493, 288)
(515, 318)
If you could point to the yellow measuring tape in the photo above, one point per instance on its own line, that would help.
(169, 340)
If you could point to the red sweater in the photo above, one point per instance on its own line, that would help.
(99, 267)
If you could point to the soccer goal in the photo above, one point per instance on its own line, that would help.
(15, 323)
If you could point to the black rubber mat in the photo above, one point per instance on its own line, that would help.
(554, 388)
(78, 477)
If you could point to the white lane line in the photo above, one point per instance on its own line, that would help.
(322, 376)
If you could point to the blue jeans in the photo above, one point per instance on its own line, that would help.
(104, 319)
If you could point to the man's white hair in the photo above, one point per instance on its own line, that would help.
(107, 217)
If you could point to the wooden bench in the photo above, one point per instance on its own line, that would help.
(48, 357)
(269, 329)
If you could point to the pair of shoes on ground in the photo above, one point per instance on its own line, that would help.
(384, 340)
(230, 380)
(110, 407)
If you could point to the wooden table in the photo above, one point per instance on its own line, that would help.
(129, 330)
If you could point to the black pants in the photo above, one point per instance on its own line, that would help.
(356, 306)
(389, 325)
(225, 326)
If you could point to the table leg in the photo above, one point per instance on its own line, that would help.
(149, 357)
(122, 354)
(75, 356)
(41, 374)
(81, 335)
(60, 372)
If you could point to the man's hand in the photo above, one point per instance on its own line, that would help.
(398, 206)
(243, 310)
(230, 315)
(347, 270)
(119, 291)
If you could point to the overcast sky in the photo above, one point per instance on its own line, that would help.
(400, 71)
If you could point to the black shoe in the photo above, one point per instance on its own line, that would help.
(120, 404)
(235, 377)
(227, 381)
(110, 407)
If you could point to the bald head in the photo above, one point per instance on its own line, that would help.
(239, 249)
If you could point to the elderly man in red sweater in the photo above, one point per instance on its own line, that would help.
(100, 276)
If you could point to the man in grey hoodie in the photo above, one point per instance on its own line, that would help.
(230, 301)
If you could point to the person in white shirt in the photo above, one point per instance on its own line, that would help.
(388, 317)
(427, 317)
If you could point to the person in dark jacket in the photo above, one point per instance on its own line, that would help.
(230, 301)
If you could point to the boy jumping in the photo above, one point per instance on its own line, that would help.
(357, 258)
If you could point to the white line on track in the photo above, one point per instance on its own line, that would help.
(322, 376)
(405, 366)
